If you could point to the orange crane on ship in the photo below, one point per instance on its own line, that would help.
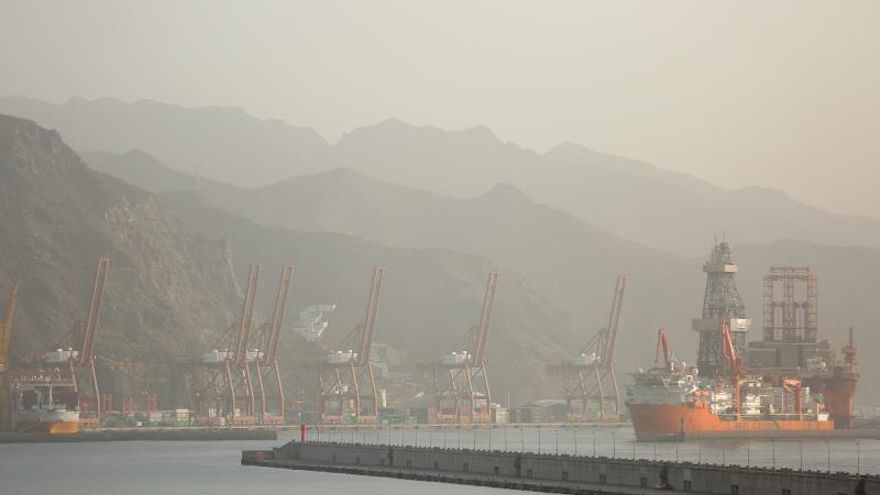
(734, 364)
(461, 383)
(662, 344)
(346, 379)
(5, 335)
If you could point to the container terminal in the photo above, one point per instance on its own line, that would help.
(790, 382)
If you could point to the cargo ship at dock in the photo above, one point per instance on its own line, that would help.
(789, 381)
(45, 403)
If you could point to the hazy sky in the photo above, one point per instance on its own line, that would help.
(778, 93)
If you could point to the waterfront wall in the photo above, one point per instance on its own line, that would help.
(556, 473)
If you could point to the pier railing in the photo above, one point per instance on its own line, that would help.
(561, 473)
(859, 456)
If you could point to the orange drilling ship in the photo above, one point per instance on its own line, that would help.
(788, 381)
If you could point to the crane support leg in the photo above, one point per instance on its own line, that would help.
(280, 390)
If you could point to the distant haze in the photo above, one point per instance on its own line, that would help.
(780, 94)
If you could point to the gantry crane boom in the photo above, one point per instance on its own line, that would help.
(368, 326)
(270, 358)
(247, 315)
(482, 337)
(613, 321)
(5, 334)
(278, 313)
(87, 350)
(6, 325)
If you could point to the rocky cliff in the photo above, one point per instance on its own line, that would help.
(169, 292)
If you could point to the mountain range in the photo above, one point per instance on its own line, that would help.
(635, 200)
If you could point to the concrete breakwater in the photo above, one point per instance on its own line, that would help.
(554, 473)
(131, 434)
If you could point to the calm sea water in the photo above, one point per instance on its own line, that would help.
(178, 468)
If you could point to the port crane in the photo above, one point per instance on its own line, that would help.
(5, 335)
(346, 379)
(225, 384)
(590, 375)
(85, 356)
(461, 383)
(267, 357)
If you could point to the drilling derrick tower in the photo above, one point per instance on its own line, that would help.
(590, 375)
(5, 334)
(347, 390)
(460, 381)
(791, 347)
(721, 303)
(224, 392)
(267, 359)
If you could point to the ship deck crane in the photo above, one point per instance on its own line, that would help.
(662, 344)
(5, 335)
(734, 364)
(460, 380)
(346, 379)
(268, 357)
(590, 375)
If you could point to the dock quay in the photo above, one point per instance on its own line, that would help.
(551, 473)
(152, 434)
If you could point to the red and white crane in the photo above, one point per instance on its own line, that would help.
(267, 358)
(461, 383)
(346, 379)
(222, 375)
(85, 355)
(244, 356)
(590, 375)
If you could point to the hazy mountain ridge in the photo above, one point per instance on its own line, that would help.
(221, 143)
(148, 173)
(638, 201)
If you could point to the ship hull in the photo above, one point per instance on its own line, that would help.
(658, 422)
(53, 422)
